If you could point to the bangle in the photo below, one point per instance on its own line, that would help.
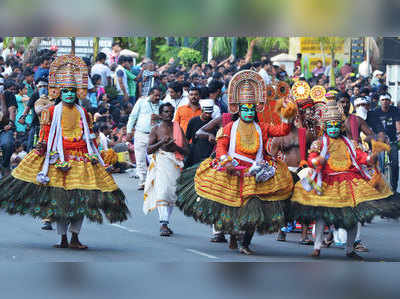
(224, 159)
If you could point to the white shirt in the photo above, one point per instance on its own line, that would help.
(102, 70)
(263, 73)
(7, 52)
(364, 69)
(103, 141)
(124, 80)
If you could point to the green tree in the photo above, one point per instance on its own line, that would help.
(331, 44)
(189, 56)
(263, 46)
(96, 42)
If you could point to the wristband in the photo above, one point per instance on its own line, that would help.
(224, 159)
(316, 162)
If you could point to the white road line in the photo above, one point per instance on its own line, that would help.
(125, 228)
(202, 253)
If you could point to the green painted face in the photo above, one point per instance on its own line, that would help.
(247, 112)
(333, 128)
(68, 95)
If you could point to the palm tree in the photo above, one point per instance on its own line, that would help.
(331, 44)
(262, 46)
(96, 41)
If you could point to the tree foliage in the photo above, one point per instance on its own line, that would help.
(264, 45)
(189, 56)
(331, 44)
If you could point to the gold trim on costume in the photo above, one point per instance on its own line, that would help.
(220, 187)
(247, 138)
(340, 194)
(339, 156)
(82, 175)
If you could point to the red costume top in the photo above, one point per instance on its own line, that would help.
(338, 167)
(72, 126)
(267, 131)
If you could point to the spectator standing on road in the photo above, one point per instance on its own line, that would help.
(386, 119)
(142, 119)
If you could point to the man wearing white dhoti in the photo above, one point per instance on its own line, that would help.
(167, 145)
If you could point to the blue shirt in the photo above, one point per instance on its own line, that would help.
(41, 72)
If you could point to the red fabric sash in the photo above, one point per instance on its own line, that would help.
(226, 119)
(178, 136)
(354, 127)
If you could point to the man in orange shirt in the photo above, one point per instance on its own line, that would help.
(187, 112)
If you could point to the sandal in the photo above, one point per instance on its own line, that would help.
(353, 255)
(219, 239)
(246, 251)
(306, 242)
(281, 236)
(360, 247)
(327, 243)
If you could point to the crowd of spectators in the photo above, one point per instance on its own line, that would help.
(116, 85)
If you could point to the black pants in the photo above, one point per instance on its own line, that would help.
(7, 144)
(394, 165)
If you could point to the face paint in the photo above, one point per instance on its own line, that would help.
(247, 112)
(68, 95)
(333, 129)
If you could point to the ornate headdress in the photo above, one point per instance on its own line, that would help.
(68, 71)
(306, 96)
(247, 87)
(333, 112)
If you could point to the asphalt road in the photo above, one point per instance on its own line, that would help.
(138, 240)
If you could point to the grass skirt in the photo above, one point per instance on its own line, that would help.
(86, 190)
(262, 215)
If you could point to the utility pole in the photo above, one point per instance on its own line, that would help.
(148, 47)
(210, 47)
(234, 46)
(186, 42)
(368, 54)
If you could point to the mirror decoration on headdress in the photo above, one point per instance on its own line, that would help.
(317, 93)
(282, 89)
(300, 90)
(68, 71)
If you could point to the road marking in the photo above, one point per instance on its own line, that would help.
(202, 253)
(125, 228)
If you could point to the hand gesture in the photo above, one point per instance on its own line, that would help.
(211, 138)
(231, 170)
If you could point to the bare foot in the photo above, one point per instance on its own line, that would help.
(233, 242)
(316, 253)
(64, 242)
(281, 236)
(75, 244)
